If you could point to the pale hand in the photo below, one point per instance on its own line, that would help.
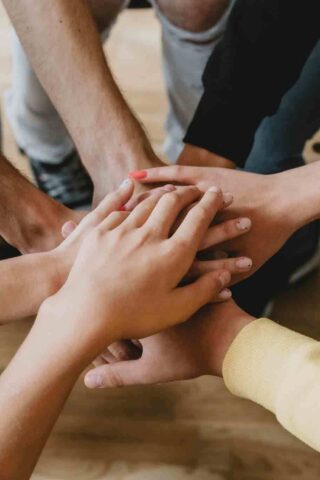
(190, 350)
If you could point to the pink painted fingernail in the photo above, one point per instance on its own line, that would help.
(125, 183)
(244, 263)
(93, 380)
(214, 189)
(225, 294)
(225, 278)
(227, 198)
(138, 174)
(68, 228)
(244, 224)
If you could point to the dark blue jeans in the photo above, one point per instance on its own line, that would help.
(279, 143)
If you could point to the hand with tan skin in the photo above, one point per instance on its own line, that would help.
(125, 283)
(195, 348)
(278, 204)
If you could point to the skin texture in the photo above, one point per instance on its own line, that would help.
(279, 203)
(190, 350)
(30, 279)
(30, 220)
(95, 308)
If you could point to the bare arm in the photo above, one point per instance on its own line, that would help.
(27, 281)
(76, 76)
(29, 220)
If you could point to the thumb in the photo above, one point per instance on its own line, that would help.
(205, 290)
(132, 372)
(67, 228)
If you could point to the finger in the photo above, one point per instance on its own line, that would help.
(134, 201)
(134, 372)
(168, 209)
(225, 231)
(142, 212)
(233, 265)
(98, 361)
(67, 228)
(125, 350)
(175, 173)
(199, 218)
(223, 296)
(112, 202)
(113, 220)
(189, 299)
(115, 200)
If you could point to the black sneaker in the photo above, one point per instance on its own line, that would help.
(67, 182)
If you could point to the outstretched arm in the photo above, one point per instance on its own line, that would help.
(258, 359)
(30, 220)
(96, 306)
(25, 282)
(277, 204)
(79, 82)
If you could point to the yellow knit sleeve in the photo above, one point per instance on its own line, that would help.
(280, 370)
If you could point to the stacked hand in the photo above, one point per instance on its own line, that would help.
(195, 348)
(125, 281)
(259, 197)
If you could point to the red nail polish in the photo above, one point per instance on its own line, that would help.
(122, 209)
(138, 175)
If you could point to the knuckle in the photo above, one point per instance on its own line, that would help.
(114, 378)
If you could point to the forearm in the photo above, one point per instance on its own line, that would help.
(36, 384)
(78, 80)
(29, 220)
(299, 190)
(25, 282)
(33, 390)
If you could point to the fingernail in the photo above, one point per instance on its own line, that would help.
(244, 263)
(214, 189)
(244, 224)
(125, 183)
(225, 278)
(227, 198)
(169, 188)
(122, 209)
(138, 174)
(93, 381)
(225, 294)
(68, 228)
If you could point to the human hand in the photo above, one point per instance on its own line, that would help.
(192, 349)
(125, 282)
(266, 200)
(107, 180)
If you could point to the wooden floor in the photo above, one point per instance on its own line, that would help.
(194, 430)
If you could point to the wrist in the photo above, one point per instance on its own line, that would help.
(192, 155)
(75, 334)
(299, 192)
(221, 331)
(33, 223)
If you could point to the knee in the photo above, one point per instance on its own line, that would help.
(105, 12)
(193, 15)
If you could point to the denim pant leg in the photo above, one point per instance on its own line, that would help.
(278, 146)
